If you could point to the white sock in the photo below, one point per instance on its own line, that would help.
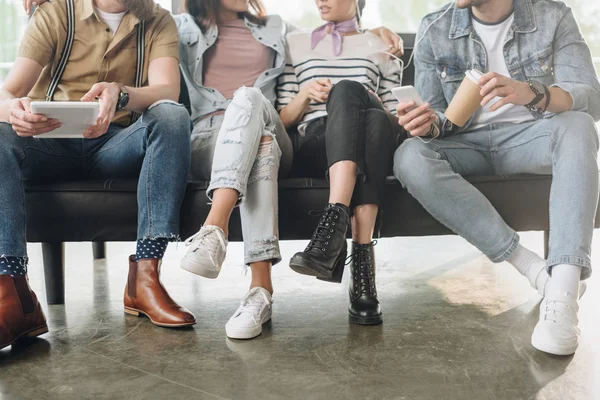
(531, 266)
(564, 281)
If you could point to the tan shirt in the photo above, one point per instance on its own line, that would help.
(97, 55)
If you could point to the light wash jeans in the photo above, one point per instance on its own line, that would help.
(227, 149)
(565, 146)
(155, 149)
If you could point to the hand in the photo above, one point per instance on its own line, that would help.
(392, 39)
(509, 90)
(108, 95)
(27, 124)
(318, 90)
(375, 95)
(28, 4)
(416, 121)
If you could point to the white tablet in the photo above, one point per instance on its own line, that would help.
(75, 117)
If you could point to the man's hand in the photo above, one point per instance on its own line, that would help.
(392, 39)
(108, 95)
(29, 4)
(509, 90)
(27, 124)
(416, 121)
(318, 90)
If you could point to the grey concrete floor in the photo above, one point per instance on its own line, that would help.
(455, 327)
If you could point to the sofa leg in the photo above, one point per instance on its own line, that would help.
(546, 244)
(99, 249)
(54, 272)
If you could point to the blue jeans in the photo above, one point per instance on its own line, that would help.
(565, 146)
(155, 149)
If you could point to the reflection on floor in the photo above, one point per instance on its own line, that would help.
(455, 327)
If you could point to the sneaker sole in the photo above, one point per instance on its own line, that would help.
(244, 334)
(136, 313)
(35, 332)
(543, 345)
(199, 269)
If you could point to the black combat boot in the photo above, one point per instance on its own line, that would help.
(364, 307)
(325, 255)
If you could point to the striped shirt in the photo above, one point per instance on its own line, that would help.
(361, 60)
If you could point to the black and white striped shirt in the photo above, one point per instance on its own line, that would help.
(362, 60)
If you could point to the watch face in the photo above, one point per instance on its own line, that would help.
(537, 87)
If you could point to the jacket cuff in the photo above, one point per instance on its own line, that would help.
(578, 94)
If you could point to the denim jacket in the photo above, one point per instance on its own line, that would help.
(543, 44)
(193, 43)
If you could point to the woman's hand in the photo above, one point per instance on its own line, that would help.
(318, 90)
(392, 39)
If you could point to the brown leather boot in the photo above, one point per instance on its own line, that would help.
(20, 313)
(144, 294)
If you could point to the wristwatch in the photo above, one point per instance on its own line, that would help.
(123, 99)
(539, 91)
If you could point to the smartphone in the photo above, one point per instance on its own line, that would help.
(405, 94)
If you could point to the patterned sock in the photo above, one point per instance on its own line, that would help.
(13, 266)
(151, 248)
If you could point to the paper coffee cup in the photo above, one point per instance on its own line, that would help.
(466, 100)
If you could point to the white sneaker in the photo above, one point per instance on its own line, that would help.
(247, 321)
(557, 332)
(206, 253)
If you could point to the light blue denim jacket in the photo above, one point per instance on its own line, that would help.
(193, 43)
(543, 44)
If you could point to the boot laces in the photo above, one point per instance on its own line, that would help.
(325, 228)
(362, 274)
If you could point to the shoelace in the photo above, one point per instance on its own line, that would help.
(320, 238)
(208, 236)
(253, 303)
(553, 310)
(363, 276)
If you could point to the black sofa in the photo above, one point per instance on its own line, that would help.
(102, 211)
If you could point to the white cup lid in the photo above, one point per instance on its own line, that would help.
(474, 75)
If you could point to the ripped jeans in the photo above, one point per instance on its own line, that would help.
(155, 149)
(227, 149)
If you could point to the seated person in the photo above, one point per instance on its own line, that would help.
(103, 63)
(540, 98)
(330, 91)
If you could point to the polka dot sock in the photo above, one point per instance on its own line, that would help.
(13, 266)
(151, 248)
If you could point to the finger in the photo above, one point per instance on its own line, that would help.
(494, 83)
(94, 92)
(28, 117)
(486, 78)
(498, 92)
(501, 103)
(417, 112)
(50, 128)
(26, 103)
(422, 130)
(402, 108)
(416, 122)
(105, 107)
(35, 127)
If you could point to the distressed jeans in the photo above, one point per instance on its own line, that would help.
(227, 149)
(565, 146)
(155, 148)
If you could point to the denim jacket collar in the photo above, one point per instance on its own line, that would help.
(524, 20)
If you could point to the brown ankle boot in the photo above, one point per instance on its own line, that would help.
(20, 313)
(144, 294)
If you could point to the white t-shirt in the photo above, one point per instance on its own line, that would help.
(493, 38)
(113, 20)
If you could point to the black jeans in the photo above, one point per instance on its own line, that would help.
(357, 129)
